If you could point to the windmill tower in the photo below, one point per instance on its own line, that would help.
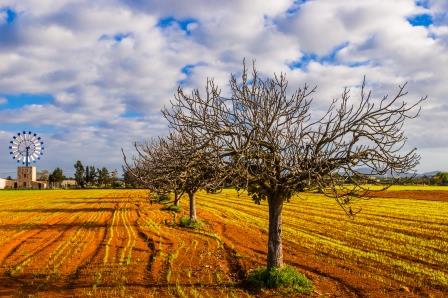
(26, 176)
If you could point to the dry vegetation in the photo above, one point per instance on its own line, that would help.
(115, 243)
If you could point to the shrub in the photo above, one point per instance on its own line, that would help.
(285, 278)
(173, 208)
(186, 222)
(161, 198)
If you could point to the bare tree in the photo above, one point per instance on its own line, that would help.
(149, 165)
(176, 164)
(274, 148)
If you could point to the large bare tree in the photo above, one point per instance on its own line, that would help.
(275, 147)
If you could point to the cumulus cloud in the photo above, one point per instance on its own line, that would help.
(110, 66)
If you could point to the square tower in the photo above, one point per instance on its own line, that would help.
(26, 176)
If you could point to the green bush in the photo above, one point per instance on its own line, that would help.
(161, 198)
(285, 278)
(173, 208)
(186, 222)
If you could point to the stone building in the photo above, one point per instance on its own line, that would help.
(69, 183)
(5, 183)
(26, 179)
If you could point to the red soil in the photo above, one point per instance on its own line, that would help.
(431, 195)
(123, 246)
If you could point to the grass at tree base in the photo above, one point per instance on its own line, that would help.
(160, 198)
(285, 279)
(186, 222)
(173, 208)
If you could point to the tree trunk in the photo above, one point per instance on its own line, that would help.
(191, 196)
(176, 198)
(275, 250)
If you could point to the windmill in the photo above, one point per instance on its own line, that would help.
(26, 148)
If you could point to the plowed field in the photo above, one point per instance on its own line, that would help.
(114, 243)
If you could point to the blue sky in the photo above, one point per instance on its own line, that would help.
(9, 14)
(91, 77)
(184, 24)
(424, 20)
(18, 100)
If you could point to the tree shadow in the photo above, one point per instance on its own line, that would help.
(88, 202)
(59, 226)
(67, 210)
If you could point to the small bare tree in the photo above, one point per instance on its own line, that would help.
(274, 148)
(167, 167)
(176, 164)
(147, 166)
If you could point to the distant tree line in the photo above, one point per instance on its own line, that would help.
(441, 179)
(54, 178)
(90, 176)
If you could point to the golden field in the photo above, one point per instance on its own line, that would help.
(115, 243)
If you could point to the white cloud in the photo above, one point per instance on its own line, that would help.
(3, 101)
(3, 17)
(104, 61)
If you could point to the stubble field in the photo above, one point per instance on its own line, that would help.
(108, 243)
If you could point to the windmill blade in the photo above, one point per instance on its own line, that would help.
(26, 147)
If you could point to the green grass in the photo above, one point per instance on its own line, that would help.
(286, 279)
(186, 222)
(161, 198)
(173, 208)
